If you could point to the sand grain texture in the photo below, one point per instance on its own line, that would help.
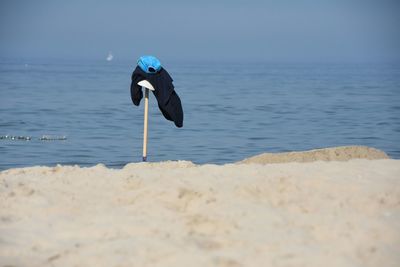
(181, 214)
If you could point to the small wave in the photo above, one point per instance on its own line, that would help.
(29, 138)
(52, 138)
(14, 137)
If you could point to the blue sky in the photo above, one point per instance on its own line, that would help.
(202, 30)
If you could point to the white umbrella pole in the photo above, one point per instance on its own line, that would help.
(146, 112)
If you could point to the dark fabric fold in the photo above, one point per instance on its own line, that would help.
(168, 100)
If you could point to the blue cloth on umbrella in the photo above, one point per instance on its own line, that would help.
(149, 64)
(167, 99)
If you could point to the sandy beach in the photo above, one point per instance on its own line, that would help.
(251, 213)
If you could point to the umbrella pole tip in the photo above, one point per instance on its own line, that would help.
(144, 159)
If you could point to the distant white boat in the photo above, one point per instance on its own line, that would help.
(110, 57)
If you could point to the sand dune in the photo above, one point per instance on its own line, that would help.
(182, 214)
(342, 153)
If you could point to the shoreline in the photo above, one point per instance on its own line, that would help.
(339, 153)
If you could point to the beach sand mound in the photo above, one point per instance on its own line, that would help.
(181, 214)
(342, 153)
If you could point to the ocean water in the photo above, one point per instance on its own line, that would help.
(64, 112)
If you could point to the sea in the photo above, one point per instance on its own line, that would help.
(80, 112)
